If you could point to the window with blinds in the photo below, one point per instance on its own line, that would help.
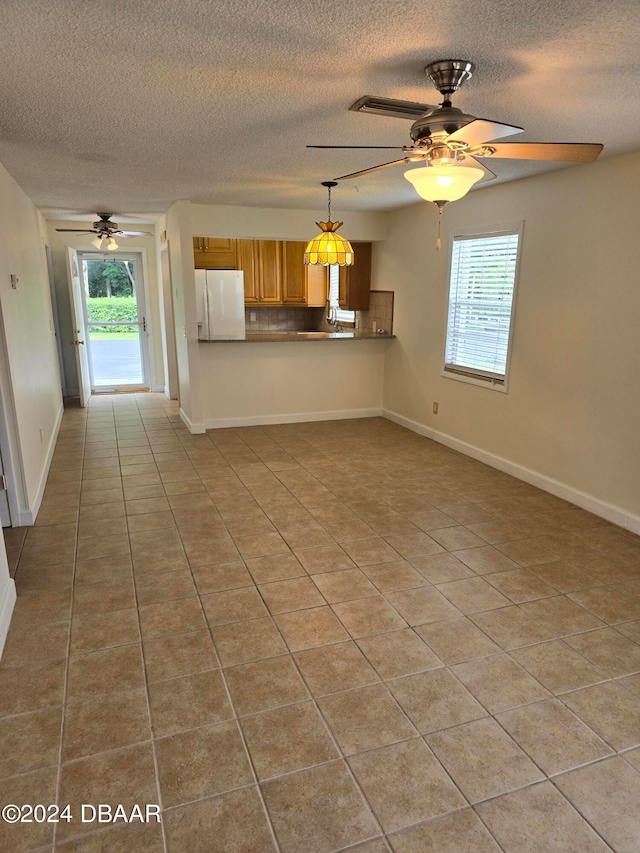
(481, 299)
(342, 316)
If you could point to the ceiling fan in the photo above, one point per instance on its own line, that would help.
(448, 141)
(105, 228)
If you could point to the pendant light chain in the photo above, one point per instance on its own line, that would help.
(329, 248)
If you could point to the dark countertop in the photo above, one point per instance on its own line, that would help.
(297, 337)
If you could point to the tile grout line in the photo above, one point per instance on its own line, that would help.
(154, 755)
(231, 705)
(68, 658)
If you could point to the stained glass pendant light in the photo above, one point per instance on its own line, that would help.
(329, 248)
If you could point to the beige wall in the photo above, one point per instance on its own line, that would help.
(58, 243)
(573, 406)
(29, 374)
(31, 402)
(210, 220)
(248, 383)
(206, 392)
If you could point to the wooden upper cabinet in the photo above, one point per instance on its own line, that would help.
(355, 281)
(316, 285)
(274, 270)
(294, 289)
(214, 253)
(269, 257)
(246, 261)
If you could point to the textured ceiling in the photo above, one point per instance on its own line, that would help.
(129, 105)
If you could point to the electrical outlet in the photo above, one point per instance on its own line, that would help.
(435, 408)
(252, 316)
(14, 282)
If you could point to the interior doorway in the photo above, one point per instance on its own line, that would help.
(114, 318)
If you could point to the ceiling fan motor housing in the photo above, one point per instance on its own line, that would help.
(438, 124)
(449, 75)
(104, 225)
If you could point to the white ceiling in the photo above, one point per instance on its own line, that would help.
(126, 106)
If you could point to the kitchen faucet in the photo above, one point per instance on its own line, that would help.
(332, 318)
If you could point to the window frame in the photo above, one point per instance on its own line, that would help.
(342, 321)
(471, 377)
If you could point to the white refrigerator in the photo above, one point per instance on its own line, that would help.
(220, 305)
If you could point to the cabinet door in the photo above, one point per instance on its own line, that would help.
(217, 253)
(293, 279)
(355, 281)
(317, 285)
(270, 271)
(246, 261)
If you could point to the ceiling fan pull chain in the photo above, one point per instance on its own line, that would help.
(440, 207)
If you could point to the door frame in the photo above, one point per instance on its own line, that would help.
(14, 474)
(167, 320)
(138, 256)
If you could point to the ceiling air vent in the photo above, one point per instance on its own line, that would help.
(390, 107)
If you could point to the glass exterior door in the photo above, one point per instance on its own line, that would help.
(115, 322)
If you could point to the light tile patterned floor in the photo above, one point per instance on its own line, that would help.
(316, 637)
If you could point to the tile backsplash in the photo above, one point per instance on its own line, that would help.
(285, 319)
(379, 313)
(293, 319)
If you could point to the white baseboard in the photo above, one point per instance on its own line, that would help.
(194, 429)
(294, 418)
(159, 389)
(6, 611)
(28, 516)
(611, 513)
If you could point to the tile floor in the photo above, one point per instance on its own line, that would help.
(312, 638)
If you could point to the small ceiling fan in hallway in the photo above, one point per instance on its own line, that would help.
(105, 228)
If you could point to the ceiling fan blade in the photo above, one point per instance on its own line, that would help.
(134, 233)
(76, 231)
(488, 174)
(392, 147)
(481, 130)
(375, 168)
(390, 107)
(571, 152)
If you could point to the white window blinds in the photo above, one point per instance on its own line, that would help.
(342, 316)
(483, 276)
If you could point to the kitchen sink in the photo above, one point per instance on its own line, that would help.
(326, 334)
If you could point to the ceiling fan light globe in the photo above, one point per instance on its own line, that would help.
(443, 183)
(97, 242)
(111, 244)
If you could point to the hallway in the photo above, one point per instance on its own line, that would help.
(315, 637)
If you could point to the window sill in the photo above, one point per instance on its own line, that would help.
(502, 387)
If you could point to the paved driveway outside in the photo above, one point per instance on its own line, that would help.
(116, 362)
